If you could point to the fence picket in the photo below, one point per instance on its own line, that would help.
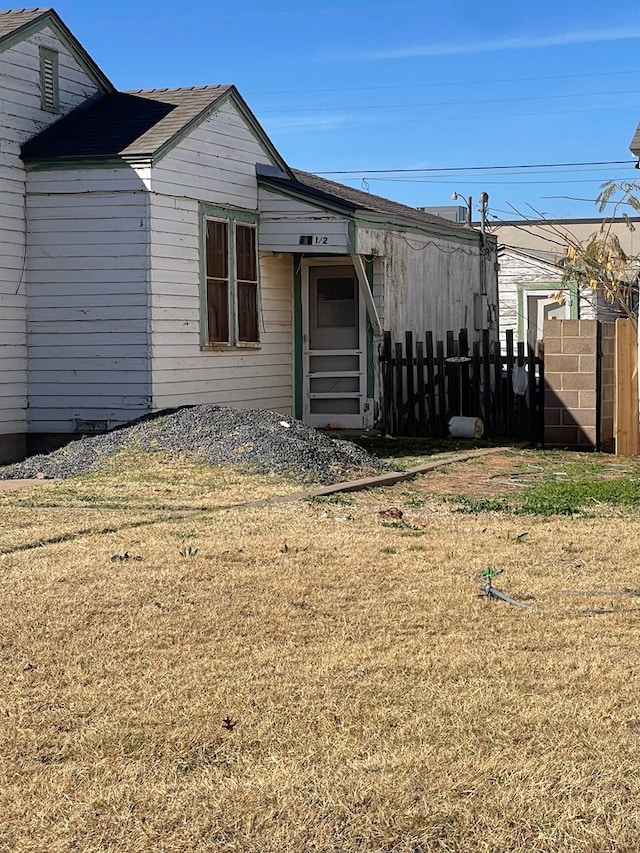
(422, 414)
(442, 396)
(399, 419)
(431, 382)
(422, 390)
(411, 402)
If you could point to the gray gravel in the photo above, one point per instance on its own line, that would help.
(259, 441)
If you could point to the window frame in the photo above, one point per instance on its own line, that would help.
(48, 55)
(232, 218)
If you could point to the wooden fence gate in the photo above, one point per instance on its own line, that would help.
(425, 383)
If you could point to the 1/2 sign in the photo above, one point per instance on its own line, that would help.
(313, 240)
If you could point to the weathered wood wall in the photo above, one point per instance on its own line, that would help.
(429, 281)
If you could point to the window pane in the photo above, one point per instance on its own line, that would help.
(344, 406)
(334, 384)
(246, 253)
(218, 311)
(247, 312)
(217, 249)
(336, 302)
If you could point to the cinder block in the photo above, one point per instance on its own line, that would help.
(570, 328)
(552, 344)
(587, 364)
(552, 417)
(560, 436)
(587, 328)
(578, 381)
(556, 399)
(584, 345)
(561, 363)
(583, 418)
(587, 400)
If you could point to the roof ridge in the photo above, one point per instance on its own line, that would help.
(179, 88)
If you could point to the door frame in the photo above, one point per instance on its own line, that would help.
(537, 288)
(349, 421)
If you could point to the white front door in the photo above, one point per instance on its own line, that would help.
(334, 348)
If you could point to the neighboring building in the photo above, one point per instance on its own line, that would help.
(157, 251)
(530, 283)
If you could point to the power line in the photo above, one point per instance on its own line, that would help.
(493, 183)
(478, 168)
(474, 101)
(440, 83)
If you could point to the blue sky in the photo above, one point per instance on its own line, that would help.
(432, 85)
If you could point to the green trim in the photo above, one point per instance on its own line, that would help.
(552, 286)
(360, 218)
(47, 55)
(351, 236)
(368, 267)
(74, 165)
(345, 209)
(202, 242)
(213, 211)
(234, 96)
(297, 336)
(231, 216)
(50, 18)
(382, 220)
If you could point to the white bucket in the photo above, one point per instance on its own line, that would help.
(460, 427)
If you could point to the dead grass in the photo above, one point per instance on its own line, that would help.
(372, 701)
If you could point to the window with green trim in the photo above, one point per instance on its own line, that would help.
(230, 280)
(49, 85)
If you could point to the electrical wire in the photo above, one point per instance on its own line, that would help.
(440, 83)
(474, 101)
(478, 168)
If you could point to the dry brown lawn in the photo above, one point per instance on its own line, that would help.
(312, 676)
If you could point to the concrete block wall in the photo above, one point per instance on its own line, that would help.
(576, 397)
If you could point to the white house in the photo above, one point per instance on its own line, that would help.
(530, 277)
(157, 251)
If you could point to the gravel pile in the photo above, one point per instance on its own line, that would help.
(259, 441)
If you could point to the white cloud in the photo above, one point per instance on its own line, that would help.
(294, 122)
(514, 43)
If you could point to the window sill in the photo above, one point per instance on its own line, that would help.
(240, 345)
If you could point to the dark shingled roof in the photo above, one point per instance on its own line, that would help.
(14, 19)
(635, 142)
(321, 189)
(123, 124)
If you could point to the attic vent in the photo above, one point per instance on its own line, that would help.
(49, 93)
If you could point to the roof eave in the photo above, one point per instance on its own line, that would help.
(51, 164)
(230, 94)
(390, 221)
(310, 195)
(52, 19)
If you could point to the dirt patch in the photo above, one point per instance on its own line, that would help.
(485, 477)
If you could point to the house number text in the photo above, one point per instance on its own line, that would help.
(311, 240)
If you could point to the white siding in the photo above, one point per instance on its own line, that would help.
(284, 221)
(21, 117)
(88, 341)
(181, 372)
(517, 270)
(214, 165)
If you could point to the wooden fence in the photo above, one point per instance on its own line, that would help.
(425, 383)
